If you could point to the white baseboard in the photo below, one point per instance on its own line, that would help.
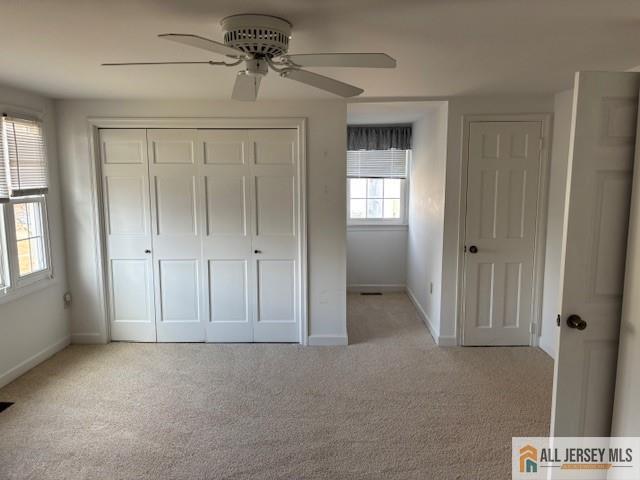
(423, 315)
(328, 340)
(386, 288)
(87, 338)
(447, 341)
(440, 340)
(29, 363)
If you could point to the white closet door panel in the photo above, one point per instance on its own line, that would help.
(276, 297)
(224, 147)
(176, 206)
(275, 174)
(130, 292)
(226, 205)
(126, 198)
(275, 147)
(177, 211)
(126, 204)
(229, 291)
(226, 244)
(275, 205)
(179, 291)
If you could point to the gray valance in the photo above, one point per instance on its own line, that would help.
(379, 137)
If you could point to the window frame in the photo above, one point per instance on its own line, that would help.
(404, 202)
(10, 246)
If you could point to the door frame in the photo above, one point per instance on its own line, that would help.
(94, 124)
(541, 216)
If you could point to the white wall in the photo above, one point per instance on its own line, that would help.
(458, 107)
(326, 197)
(376, 258)
(426, 214)
(36, 325)
(555, 220)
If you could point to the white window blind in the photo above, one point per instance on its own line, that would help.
(377, 163)
(24, 161)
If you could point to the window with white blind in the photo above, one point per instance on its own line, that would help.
(24, 161)
(376, 186)
(24, 236)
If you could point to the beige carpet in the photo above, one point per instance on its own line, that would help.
(392, 406)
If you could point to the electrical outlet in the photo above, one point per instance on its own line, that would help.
(66, 298)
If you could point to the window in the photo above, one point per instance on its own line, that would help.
(376, 186)
(24, 242)
(29, 238)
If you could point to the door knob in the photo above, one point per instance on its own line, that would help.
(257, 251)
(147, 251)
(574, 321)
(473, 249)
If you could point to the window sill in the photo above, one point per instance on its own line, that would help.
(370, 227)
(20, 292)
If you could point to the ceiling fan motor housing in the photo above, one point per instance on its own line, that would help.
(257, 35)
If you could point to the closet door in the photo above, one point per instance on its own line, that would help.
(175, 159)
(127, 226)
(227, 237)
(275, 235)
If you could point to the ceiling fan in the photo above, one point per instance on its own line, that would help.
(262, 43)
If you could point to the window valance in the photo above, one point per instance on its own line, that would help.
(379, 137)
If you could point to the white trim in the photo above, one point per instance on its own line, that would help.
(447, 341)
(87, 338)
(423, 315)
(32, 361)
(95, 123)
(328, 340)
(33, 287)
(381, 227)
(541, 221)
(439, 340)
(383, 288)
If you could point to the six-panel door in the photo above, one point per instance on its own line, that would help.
(502, 201)
(222, 221)
(127, 228)
(177, 229)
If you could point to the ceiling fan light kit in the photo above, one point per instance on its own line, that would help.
(262, 43)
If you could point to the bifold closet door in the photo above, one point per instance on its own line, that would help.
(275, 235)
(127, 229)
(228, 230)
(202, 234)
(175, 159)
(251, 244)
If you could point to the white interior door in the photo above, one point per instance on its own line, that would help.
(502, 200)
(127, 229)
(175, 159)
(227, 250)
(275, 229)
(626, 421)
(599, 187)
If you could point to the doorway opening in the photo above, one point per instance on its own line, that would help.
(396, 158)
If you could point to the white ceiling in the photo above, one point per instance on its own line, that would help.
(443, 47)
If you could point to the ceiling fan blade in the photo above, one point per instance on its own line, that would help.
(322, 82)
(246, 87)
(366, 60)
(153, 63)
(204, 43)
